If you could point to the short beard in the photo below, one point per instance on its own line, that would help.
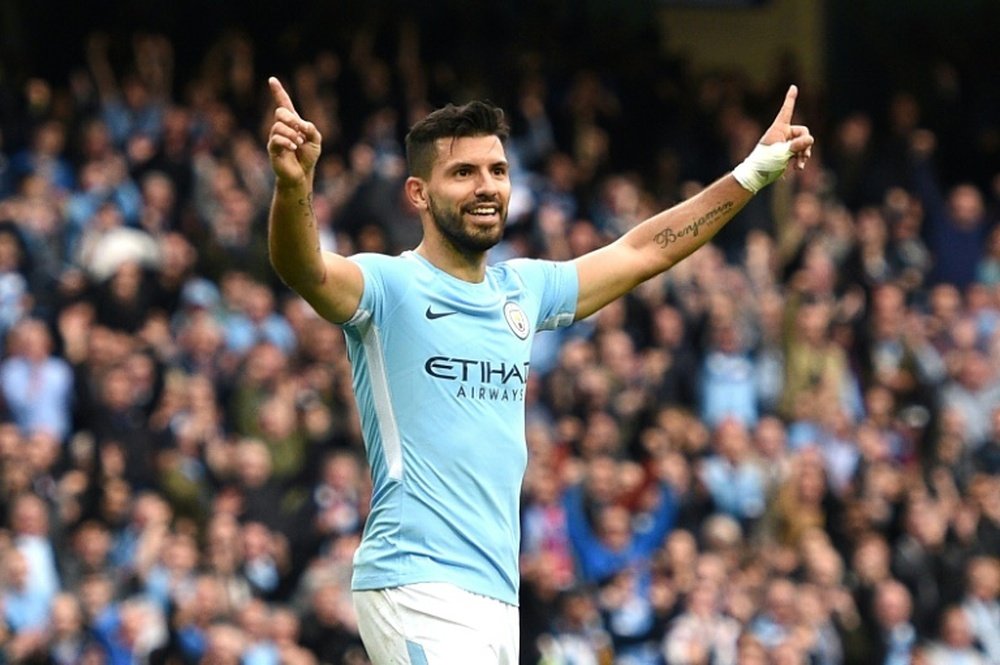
(451, 226)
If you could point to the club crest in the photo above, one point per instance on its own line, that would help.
(516, 319)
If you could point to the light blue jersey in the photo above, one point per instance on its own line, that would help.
(439, 375)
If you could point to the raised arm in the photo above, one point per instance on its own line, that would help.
(328, 281)
(661, 241)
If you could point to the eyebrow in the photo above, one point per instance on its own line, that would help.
(472, 165)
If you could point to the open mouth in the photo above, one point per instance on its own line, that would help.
(483, 210)
(487, 214)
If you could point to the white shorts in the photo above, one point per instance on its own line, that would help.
(436, 624)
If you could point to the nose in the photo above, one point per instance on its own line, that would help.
(486, 184)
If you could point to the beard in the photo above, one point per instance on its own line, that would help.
(467, 238)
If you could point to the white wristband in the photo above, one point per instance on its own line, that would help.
(763, 165)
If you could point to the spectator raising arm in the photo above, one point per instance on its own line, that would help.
(614, 545)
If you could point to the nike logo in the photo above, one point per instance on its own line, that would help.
(436, 315)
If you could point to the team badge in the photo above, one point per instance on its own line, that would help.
(516, 319)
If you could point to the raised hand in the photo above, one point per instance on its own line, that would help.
(782, 129)
(293, 144)
(782, 143)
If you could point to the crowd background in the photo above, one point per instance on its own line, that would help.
(785, 450)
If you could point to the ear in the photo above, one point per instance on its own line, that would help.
(416, 192)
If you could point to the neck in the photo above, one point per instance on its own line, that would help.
(468, 267)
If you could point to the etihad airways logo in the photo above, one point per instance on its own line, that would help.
(481, 379)
(481, 371)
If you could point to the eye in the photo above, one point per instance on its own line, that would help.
(463, 171)
(500, 170)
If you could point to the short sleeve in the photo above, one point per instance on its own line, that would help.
(377, 272)
(555, 284)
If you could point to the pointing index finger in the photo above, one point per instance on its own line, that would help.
(280, 95)
(788, 107)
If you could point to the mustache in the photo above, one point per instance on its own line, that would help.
(485, 199)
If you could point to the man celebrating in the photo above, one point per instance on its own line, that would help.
(440, 343)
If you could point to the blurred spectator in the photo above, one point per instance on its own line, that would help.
(225, 644)
(888, 356)
(139, 532)
(337, 496)
(190, 422)
(775, 622)
(254, 618)
(123, 301)
(16, 299)
(981, 604)
(224, 559)
(632, 620)
(263, 406)
(728, 386)
(103, 179)
(285, 632)
(68, 642)
(328, 630)
(803, 502)
(131, 630)
(170, 579)
(984, 500)
(200, 343)
(908, 254)
(25, 605)
(956, 220)
(37, 385)
(612, 543)
(266, 561)
(258, 492)
(89, 554)
(543, 581)
(702, 633)
(925, 561)
(544, 526)
(956, 643)
(43, 158)
(31, 531)
(988, 266)
(257, 321)
(732, 476)
(896, 636)
(234, 240)
(974, 391)
(816, 369)
(835, 437)
(817, 634)
(576, 635)
(196, 615)
(126, 444)
(133, 109)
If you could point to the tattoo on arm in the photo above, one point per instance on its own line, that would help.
(670, 236)
(307, 203)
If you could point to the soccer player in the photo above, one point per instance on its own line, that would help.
(440, 342)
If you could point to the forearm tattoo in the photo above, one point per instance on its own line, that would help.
(670, 236)
(307, 203)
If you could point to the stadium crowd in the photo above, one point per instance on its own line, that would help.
(784, 450)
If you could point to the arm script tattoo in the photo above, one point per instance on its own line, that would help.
(307, 203)
(669, 236)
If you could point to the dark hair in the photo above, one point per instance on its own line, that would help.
(473, 119)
